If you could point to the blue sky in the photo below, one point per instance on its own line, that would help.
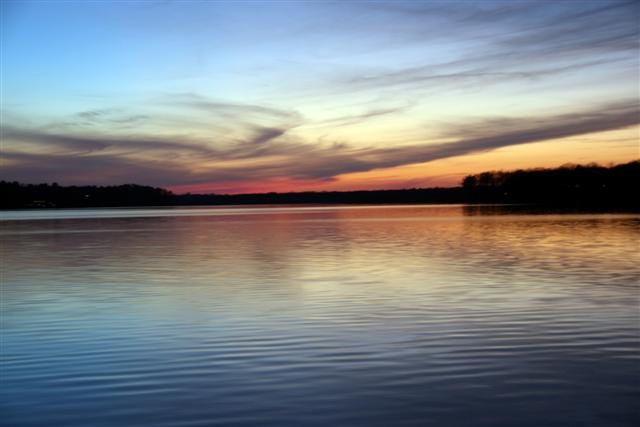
(251, 96)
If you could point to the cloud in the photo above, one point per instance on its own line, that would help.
(523, 27)
(485, 136)
(95, 114)
(326, 163)
(10, 133)
(362, 117)
(498, 42)
(244, 129)
(265, 134)
(90, 144)
(98, 169)
(108, 116)
(445, 76)
(231, 110)
(290, 158)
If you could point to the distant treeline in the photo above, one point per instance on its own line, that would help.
(414, 195)
(570, 186)
(16, 195)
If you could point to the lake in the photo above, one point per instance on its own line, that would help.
(320, 316)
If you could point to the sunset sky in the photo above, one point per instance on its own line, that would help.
(288, 95)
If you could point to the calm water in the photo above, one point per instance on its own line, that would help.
(337, 316)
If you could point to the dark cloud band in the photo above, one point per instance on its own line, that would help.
(90, 161)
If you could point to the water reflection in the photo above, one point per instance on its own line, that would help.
(321, 316)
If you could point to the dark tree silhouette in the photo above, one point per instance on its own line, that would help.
(16, 195)
(569, 186)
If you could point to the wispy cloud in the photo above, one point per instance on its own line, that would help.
(231, 110)
(90, 144)
(354, 119)
(446, 75)
(291, 159)
(111, 117)
(265, 134)
(102, 169)
(501, 42)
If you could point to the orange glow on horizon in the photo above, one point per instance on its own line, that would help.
(622, 147)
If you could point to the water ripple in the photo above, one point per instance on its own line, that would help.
(319, 316)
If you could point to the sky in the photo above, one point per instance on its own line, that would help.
(256, 96)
